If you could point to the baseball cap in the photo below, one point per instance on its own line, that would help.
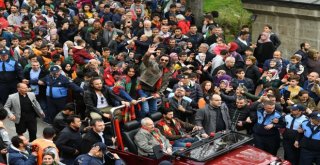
(315, 115)
(54, 69)
(297, 107)
(4, 52)
(101, 145)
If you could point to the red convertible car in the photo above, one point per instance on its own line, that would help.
(228, 148)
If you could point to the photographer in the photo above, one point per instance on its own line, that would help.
(98, 155)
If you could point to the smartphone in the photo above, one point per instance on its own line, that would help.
(110, 155)
(34, 148)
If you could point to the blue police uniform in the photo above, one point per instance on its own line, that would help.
(267, 140)
(11, 74)
(310, 144)
(290, 135)
(57, 92)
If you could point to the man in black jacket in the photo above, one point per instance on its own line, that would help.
(239, 115)
(97, 133)
(69, 140)
(60, 121)
(99, 100)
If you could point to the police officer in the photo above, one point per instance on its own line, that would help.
(265, 130)
(10, 75)
(310, 142)
(56, 91)
(290, 135)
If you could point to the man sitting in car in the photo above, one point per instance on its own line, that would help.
(148, 137)
(174, 129)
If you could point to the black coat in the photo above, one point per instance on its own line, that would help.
(253, 73)
(90, 99)
(68, 142)
(263, 52)
(91, 138)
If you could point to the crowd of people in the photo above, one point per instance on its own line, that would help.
(70, 62)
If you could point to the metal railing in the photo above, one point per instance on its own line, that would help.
(116, 124)
(122, 106)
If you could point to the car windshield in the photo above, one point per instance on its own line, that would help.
(210, 148)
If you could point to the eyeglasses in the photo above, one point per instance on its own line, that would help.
(164, 60)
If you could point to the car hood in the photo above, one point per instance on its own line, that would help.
(244, 155)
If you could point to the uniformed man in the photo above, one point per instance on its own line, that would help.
(310, 141)
(265, 130)
(10, 75)
(56, 91)
(292, 124)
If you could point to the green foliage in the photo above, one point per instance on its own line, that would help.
(232, 15)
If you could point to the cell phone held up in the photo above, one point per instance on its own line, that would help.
(110, 155)
(34, 148)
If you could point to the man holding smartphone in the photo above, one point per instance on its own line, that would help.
(98, 155)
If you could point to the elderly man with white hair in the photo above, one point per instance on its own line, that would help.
(148, 136)
(147, 30)
(229, 67)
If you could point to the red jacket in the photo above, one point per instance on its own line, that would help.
(184, 25)
(80, 55)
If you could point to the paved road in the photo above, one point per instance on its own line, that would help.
(9, 125)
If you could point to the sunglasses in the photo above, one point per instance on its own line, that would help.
(102, 100)
(164, 60)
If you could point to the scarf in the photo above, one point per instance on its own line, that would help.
(156, 134)
(159, 82)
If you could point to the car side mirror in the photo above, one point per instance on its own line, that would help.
(158, 153)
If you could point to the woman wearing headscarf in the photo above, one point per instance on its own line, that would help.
(264, 49)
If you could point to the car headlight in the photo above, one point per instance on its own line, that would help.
(276, 162)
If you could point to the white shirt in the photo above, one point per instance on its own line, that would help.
(102, 101)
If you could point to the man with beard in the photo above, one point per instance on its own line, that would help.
(176, 130)
(69, 140)
(304, 48)
(99, 100)
(154, 78)
(182, 108)
(19, 153)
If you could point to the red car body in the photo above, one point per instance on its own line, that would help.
(237, 155)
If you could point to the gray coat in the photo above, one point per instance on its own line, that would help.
(13, 107)
(151, 73)
(206, 118)
(145, 142)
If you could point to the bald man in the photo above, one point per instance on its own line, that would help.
(23, 108)
(214, 117)
(277, 55)
(312, 86)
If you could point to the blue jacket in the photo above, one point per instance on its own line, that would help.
(58, 87)
(311, 136)
(262, 119)
(18, 158)
(292, 133)
(86, 159)
(13, 72)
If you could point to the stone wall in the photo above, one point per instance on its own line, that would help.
(293, 25)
